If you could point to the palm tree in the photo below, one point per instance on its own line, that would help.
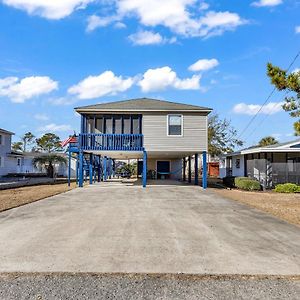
(48, 161)
(27, 139)
(17, 146)
(266, 141)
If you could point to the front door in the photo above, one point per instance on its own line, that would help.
(163, 169)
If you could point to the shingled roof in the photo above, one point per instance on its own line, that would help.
(142, 104)
(6, 131)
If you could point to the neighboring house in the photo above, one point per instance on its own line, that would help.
(12, 162)
(162, 135)
(9, 161)
(271, 165)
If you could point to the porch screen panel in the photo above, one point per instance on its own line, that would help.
(117, 125)
(99, 125)
(90, 125)
(135, 125)
(108, 125)
(127, 127)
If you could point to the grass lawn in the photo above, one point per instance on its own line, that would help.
(283, 206)
(19, 196)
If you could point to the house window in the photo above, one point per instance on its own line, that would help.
(18, 162)
(175, 125)
(1, 160)
(1, 141)
(238, 163)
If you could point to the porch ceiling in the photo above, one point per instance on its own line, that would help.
(139, 154)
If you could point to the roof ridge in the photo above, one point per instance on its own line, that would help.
(114, 103)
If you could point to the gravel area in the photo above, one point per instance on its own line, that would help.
(284, 206)
(133, 286)
(19, 196)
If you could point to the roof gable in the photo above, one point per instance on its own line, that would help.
(142, 104)
(6, 131)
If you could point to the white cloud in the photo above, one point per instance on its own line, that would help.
(204, 65)
(162, 78)
(20, 90)
(252, 109)
(262, 3)
(297, 70)
(97, 86)
(216, 23)
(297, 29)
(62, 101)
(50, 9)
(204, 6)
(95, 22)
(54, 128)
(143, 37)
(41, 117)
(120, 25)
(176, 15)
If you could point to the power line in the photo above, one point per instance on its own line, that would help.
(267, 100)
(264, 119)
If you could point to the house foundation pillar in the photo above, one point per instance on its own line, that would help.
(105, 168)
(189, 169)
(144, 169)
(80, 173)
(91, 169)
(196, 170)
(204, 170)
(183, 169)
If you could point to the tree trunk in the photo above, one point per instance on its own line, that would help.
(50, 171)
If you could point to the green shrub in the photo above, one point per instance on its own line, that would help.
(287, 188)
(248, 185)
(237, 180)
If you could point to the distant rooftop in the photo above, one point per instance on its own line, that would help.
(142, 104)
(292, 146)
(6, 131)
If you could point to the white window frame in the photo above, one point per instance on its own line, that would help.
(177, 135)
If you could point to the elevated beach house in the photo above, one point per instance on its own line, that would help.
(163, 136)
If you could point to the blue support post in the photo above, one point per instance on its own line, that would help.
(81, 169)
(99, 169)
(144, 169)
(69, 167)
(196, 170)
(105, 168)
(91, 169)
(204, 172)
(77, 169)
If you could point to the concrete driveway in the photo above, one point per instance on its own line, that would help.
(160, 229)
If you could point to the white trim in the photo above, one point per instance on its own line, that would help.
(169, 160)
(99, 111)
(177, 135)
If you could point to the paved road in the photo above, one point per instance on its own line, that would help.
(117, 286)
(160, 229)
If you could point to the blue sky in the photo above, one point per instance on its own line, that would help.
(56, 56)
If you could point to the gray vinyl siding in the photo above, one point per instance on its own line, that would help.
(194, 133)
(8, 164)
